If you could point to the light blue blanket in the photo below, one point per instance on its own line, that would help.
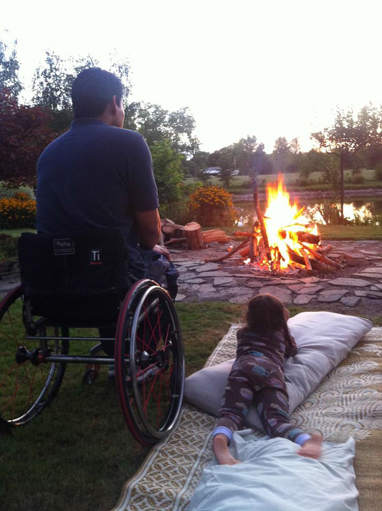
(272, 477)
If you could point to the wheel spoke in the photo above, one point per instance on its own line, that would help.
(148, 329)
(25, 387)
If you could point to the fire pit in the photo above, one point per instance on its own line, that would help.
(282, 239)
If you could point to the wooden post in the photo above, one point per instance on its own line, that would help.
(193, 233)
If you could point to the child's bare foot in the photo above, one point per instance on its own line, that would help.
(221, 451)
(312, 447)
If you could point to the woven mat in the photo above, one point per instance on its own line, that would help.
(347, 403)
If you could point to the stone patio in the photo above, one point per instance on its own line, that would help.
(358, 285)
(359, 282)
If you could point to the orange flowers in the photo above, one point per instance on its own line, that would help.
(212, 205)
(17, 212)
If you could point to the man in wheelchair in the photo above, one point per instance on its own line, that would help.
(94, 266)
(100, 176)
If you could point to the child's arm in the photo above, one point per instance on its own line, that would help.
(291, 348)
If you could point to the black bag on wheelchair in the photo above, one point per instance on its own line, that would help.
(76, 277)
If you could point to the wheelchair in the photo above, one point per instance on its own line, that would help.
(73, 284)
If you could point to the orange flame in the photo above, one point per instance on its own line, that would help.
(283, 221)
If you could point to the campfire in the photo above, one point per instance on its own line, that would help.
(282, 238)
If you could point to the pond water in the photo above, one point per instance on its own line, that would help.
(361, 211)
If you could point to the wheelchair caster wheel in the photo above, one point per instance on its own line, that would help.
(89, 376)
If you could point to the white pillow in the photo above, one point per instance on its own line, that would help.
(323, 340)
(273, 477)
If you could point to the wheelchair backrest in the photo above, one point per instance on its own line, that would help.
(68, 264)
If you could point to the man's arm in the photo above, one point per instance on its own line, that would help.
(148, 223)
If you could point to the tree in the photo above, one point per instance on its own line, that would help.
(370, 118)
(52, 83)
(9, 68)
(281, 154)
(24, 133)
(167, 165)
(157, 124)
(344, 138)
(197, 164)
(244, 154)
(225, 159)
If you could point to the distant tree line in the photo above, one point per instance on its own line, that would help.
(353, 141)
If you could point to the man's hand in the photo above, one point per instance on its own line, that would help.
(163, 251)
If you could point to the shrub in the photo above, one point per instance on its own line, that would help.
(8, 247)
(212, 205)
(358, 177)
(17, 212)
(378, 172)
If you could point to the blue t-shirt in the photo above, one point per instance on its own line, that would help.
(95, 176)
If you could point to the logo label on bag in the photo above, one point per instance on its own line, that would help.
(63, 246)
(95, 256)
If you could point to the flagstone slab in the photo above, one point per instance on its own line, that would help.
(195, 280)
(285, 282)
(282, 293)
(187, 275)
(342, 281)
(368, 275)
(360, 293)
(350, 301)
(254, 283)
(206, 288)
(374, 269)
(208, 267)
(214, 274)
(303, 299)
(219, 281)
(242, 298)
(296, 288)
(376, 287)
(252, 275)
(374, 294)
(310, 280)
(331, 295)
(180, 297)
(310, 290)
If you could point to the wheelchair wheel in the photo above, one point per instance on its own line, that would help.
(27, 384)
(149, 362)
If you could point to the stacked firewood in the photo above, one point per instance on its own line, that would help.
(190, 235)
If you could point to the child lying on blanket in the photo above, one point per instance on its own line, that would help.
(257, 377)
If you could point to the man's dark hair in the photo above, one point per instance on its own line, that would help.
(92, 91)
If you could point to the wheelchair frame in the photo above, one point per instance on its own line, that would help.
(148, 360)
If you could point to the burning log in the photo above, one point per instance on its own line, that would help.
(325, 250)
(193, 233)
(226, 256)
(323, 258)
(306, 260)
(261, 222)
(302, 236)
(315, 265)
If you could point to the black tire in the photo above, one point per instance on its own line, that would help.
(149, 362)
(25, 388)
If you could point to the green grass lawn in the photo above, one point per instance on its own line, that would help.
(78, 453)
